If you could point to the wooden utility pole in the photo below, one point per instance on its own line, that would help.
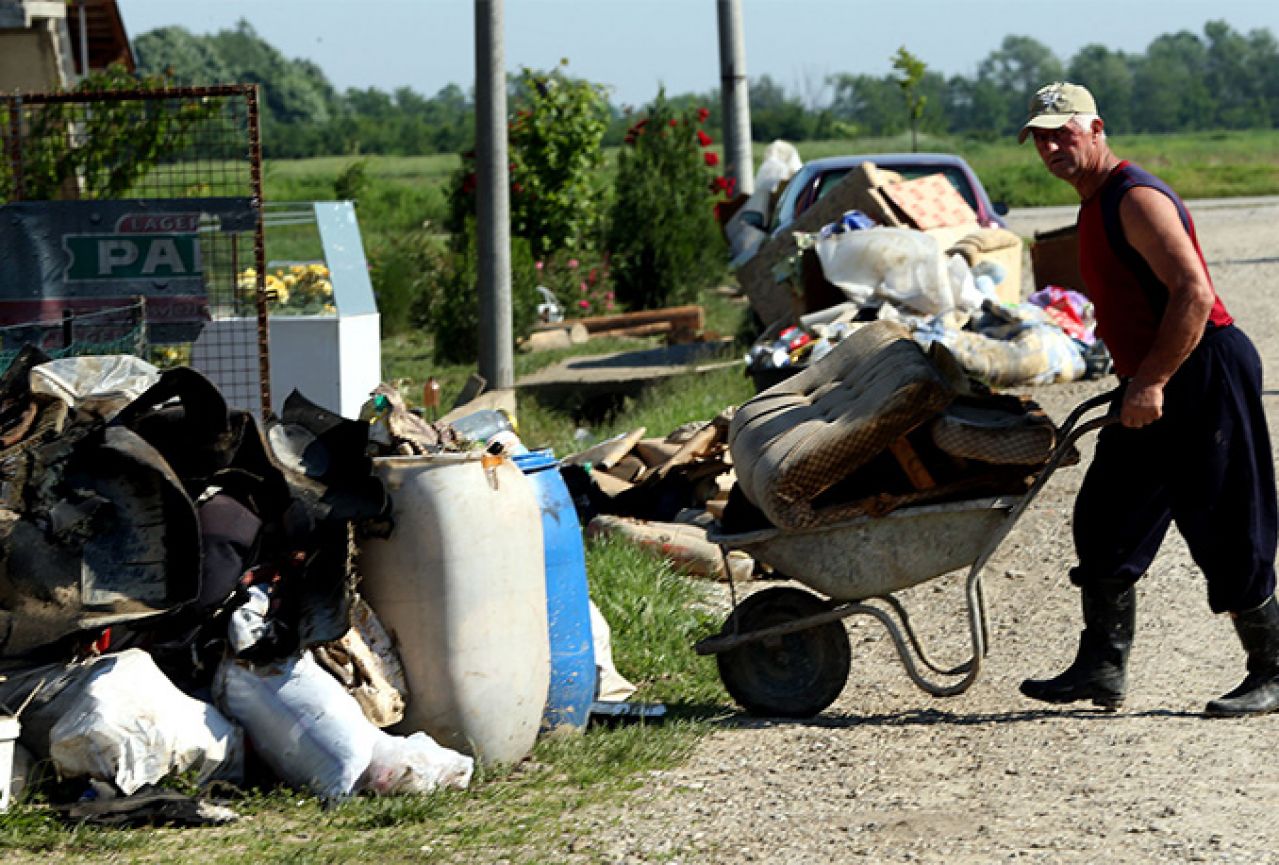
(734, 97)
(493, 211)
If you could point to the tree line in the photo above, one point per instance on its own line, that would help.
(1219, 79)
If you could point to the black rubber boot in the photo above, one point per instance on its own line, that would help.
(1099, 672)
(1258, 693)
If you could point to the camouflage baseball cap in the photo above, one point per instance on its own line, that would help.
(1053, 105)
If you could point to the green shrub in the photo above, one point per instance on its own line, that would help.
(402, 271)
(663, 238)
(351, 182)
(449, 303)
(555, 164)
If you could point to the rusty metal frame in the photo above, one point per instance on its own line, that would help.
(15, 103)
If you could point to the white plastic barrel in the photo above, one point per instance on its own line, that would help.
(461, 582)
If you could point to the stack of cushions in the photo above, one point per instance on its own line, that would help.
(802, 436)
(796, 441)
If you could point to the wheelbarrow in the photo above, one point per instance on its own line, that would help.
(784, 652)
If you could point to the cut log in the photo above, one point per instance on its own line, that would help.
(677, 317)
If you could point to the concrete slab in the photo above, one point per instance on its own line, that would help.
(624, 373)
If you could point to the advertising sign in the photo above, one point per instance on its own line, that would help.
(90, 255)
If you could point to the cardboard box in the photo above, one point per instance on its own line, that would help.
(1054, 256)
(998, 246)
(930, 202)
(771, 278)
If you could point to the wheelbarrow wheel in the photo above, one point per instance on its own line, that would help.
(795, 675)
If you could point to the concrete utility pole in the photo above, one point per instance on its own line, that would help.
(734, 97)
(493, 199)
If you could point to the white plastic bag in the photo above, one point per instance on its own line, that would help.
(745, 229)
(302, 722)
(101, 384)
(610, 684)
(248, 622)
(129, 724)
(414, 764)
(904, 266)
(963, 287)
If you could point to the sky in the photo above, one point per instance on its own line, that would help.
(636, 45)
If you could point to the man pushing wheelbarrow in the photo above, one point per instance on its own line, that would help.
(1193, 446)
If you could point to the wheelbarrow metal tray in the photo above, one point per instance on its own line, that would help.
(872, 556)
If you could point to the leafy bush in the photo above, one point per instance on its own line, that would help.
(351, 182)
(581, 285)
(555, 151)
(663, 238)
(403, 272)
(448, 304)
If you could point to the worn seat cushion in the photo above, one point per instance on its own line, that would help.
(801, 437)
(997, 430)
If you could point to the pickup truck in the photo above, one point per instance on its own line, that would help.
(818, 177)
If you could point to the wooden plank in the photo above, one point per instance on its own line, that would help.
(691, 316)
(912, 465)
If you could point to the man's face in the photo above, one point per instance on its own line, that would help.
(1065, 150)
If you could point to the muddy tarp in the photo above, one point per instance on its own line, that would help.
(148, 522)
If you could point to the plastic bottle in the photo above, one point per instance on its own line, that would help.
(431, 397)
(482, 425)
(375, 411)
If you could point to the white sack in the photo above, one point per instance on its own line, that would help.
(131, 725)
(302, 722)
(610, 684)
(781, 161)
(903, 265)
(414, 764)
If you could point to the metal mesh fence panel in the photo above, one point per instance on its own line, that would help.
(146, 193)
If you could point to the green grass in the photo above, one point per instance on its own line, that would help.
(404, 192)
(1198, 165)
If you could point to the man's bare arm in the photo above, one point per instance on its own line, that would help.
(1153, 227)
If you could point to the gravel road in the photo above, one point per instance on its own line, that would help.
(889, 774)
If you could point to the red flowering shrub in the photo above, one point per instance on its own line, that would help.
(664, 240)
(581, 285)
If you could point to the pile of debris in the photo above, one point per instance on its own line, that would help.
(879, 246)
(876, 425)
(177, 587)
(661, 493)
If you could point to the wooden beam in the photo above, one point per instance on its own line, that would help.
(912, 465)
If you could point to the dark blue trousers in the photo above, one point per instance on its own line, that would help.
(1205, 464)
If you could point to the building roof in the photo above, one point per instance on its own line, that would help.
(106, 41)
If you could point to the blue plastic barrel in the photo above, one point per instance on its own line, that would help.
(568, 614)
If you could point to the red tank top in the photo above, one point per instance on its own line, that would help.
(1128, 299)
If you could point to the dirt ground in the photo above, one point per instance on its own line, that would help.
(889, 774)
